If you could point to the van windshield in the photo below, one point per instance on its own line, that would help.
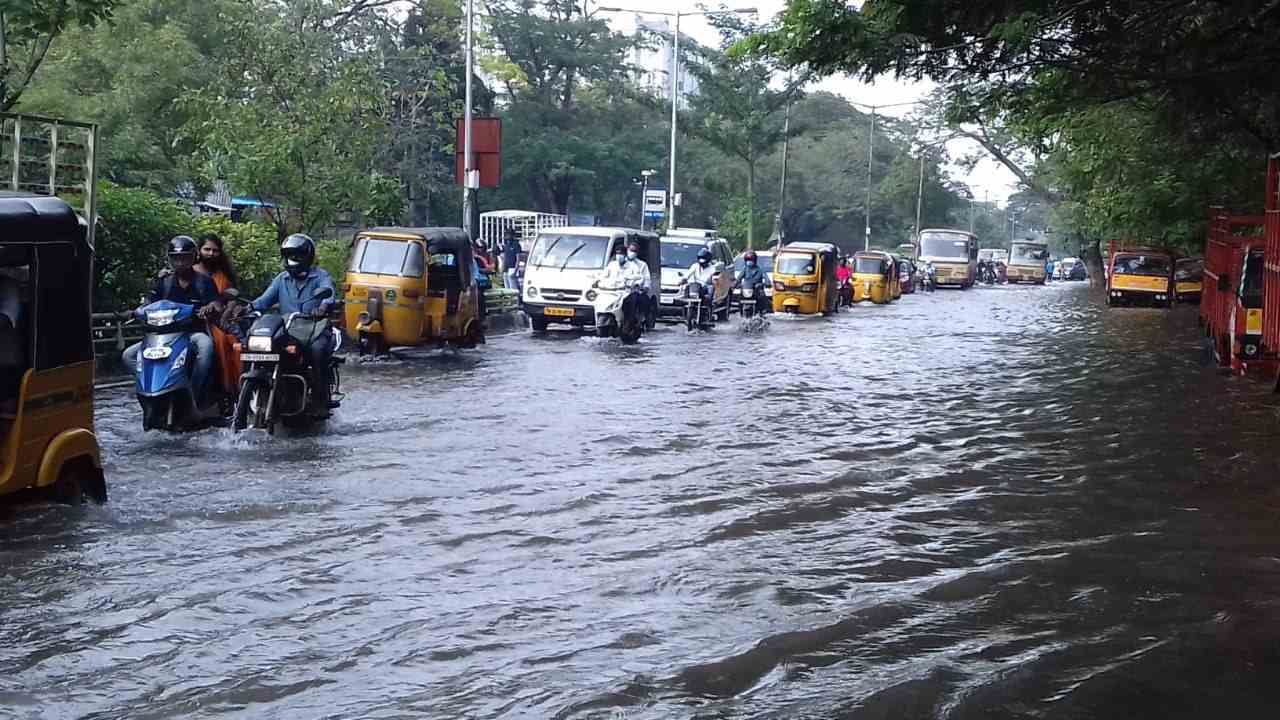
(576, 252)
(386, 257)
(793, 264)
(944, 245)
(680, 255)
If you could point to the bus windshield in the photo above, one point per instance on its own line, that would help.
(944, 245)
(1028, 254)
(1150, 265)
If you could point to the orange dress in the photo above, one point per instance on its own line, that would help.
(224, 345)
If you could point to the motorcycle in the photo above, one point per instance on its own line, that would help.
(698, 312)
(166, 360)
(749, 307)
(275, 386)
(928, 281)
(618, 311)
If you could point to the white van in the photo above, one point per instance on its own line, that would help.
(680, 250)
(565, 261)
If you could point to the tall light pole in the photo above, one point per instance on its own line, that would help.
(920, 196)
(675, 85)
(778, 230)
(644, 193)
(468, 161)
(871, 143)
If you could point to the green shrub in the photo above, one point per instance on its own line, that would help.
(251, 246)
(135, 225)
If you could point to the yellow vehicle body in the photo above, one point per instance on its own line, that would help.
(875, 278)
(410, 287)
(804, 279)
(1025, 274)
(47, 439)
(1140, 283)
(1188, 289)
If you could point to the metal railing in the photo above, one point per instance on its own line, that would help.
(111, 334)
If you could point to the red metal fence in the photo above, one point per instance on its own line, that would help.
(1271, 273)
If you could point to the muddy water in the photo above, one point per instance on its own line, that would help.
(1004, 503)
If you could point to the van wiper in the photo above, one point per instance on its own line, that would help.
(547, 252)
(570, 256)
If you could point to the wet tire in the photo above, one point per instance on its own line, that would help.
(77, 480)
(240, 418)
(539, 326)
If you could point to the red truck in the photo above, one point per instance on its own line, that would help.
(1231, 298)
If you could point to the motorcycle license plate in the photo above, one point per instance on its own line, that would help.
(259, 357)
(558, 312)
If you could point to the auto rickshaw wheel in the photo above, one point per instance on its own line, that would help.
(78, 479)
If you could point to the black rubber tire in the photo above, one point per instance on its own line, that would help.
(539, 326)
(240, 416)
(77, 480)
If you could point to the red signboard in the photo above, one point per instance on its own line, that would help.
(486, 150)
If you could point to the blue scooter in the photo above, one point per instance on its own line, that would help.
(166, 361)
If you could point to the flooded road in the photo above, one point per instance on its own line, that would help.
(1004, 503)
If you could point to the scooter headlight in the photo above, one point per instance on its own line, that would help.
(181, 360)
(259, 343)
(591, 296)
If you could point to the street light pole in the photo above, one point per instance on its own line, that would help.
(778, 230)
(467, 159)
(920, 195)
(675, 99)
(871, 140)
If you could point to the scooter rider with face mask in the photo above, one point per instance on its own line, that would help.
(630, 271)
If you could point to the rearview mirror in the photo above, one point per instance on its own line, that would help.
(323, 294)
(230, 294)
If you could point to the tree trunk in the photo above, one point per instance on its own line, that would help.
(1093, 261)
(751, 204)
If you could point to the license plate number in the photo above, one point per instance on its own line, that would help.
(259, 357)
(558, 312)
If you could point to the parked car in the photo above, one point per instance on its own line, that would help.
(679, 251)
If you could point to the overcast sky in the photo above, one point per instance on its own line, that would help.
(988, 178)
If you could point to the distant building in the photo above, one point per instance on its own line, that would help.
(652, 59)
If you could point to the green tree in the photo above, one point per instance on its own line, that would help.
(295, 117)
(136, 224)
(27, 31)
(735, 109)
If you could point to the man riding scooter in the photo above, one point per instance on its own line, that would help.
(185, 286)
(754, 278)
(630, 271)
(295, 291)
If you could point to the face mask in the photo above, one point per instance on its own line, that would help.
(631, 254)
(622, 259)
(751, 263)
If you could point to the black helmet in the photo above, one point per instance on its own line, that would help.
(182, 252)
(750, 256)
(704, 256)
(299, 253)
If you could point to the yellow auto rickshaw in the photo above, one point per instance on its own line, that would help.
(875, 277)
(47, 442)
(410, 287)
(895, 276)
(804, 279)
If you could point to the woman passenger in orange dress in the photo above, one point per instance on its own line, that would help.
(215, 263)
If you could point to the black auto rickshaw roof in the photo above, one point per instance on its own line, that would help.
(438, 238)
(36, 219)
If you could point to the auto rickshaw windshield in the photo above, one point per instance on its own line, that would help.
(869, 266)
(388, 257)
(795, 264)
(1150, 265)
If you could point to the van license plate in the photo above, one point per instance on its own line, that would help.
(259, 357)
(558, 312)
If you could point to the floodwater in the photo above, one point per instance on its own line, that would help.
(1003, 503)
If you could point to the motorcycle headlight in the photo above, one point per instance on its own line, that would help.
(160, 318)
(181, 362)
(531, 291)
(591, 296)
(260, 343)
